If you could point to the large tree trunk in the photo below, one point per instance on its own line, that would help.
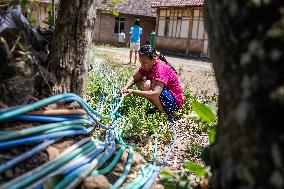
(71, 46)
(247, 40)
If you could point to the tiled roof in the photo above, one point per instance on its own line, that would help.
(46, 1)
(177, 3)
(134, 7)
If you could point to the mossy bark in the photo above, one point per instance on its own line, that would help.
(246, 44)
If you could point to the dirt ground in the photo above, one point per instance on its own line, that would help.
(198, 75)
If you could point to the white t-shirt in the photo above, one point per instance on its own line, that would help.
(121, 37)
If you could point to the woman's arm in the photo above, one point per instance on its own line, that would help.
(157, 89)
(132, 80)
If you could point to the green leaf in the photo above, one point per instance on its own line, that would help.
(135, 119)
(170, 186)
(115, 13)
(196, 169)
(114, 2)
(106, 119)
(213, 107)
(165, 173)
(204, 112)
(212, 134)
(182, 184)
(49, 7)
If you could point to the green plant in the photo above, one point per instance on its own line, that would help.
(204, 112)
(197, 169)
(172, 181)
(193, 149)
(140, 126)
(133, 108)
(205, 116)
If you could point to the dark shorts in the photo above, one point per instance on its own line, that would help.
(168, 101)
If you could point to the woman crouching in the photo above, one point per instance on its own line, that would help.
(157, 81)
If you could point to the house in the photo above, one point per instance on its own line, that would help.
(108, 26)
(180, 27)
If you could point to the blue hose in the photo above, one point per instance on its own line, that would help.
(87, 160)
(152, 178)
(36, 118)
(92, 113)
(121, 179)
(66, 96)
(84, 166)
(8, 144)
(36, 105)
(74, 178)
(11, 163)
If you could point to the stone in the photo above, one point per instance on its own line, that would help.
(52, 152)
(96, 182)
(138, 160)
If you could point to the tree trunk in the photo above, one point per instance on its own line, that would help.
(247, 41)
(68, 59)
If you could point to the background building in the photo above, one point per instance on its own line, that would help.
(180, 27)
(108, 26)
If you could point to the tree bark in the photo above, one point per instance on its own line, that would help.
(246, 42)
(68, 59)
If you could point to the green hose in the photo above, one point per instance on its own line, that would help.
(111, 165)
(127, 169)
(36, 105)
(37, 129)
(42, 173)
(69, 127)
(83, 174)
(140, 178)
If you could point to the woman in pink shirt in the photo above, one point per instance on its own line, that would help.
(157, 81)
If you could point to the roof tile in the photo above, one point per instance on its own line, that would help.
(134, 7)
(177, 3)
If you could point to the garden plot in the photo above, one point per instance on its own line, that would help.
(192, 133)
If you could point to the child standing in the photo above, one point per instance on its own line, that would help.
(121, 39)
(135, 33)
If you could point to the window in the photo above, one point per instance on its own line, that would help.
(198, 25)
(118, 24)
(174, 23)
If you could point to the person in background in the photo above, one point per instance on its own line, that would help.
(157, 81)
(135, 32)
(121, 39)
(49, 20)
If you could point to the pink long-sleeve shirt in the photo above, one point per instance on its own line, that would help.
(165, 74)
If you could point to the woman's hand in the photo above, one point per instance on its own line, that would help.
(127, 92)
(124, 89)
